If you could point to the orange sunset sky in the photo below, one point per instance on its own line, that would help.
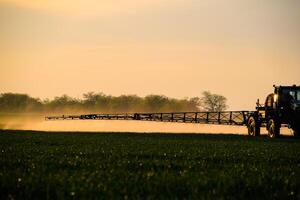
(178, 48)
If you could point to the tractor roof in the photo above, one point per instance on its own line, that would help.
(287, 87)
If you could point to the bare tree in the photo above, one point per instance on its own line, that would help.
(213, 102)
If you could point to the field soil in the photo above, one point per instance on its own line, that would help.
(60, 165)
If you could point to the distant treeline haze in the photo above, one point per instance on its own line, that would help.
(99, 102)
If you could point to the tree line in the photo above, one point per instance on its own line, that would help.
(100, 102)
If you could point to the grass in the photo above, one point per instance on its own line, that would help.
(44, 165)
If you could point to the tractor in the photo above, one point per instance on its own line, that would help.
(281, 108)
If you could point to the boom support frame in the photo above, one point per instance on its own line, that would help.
(226, 117)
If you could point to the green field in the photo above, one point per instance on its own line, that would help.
(46, 165)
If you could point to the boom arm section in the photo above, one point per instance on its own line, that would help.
(226, 117)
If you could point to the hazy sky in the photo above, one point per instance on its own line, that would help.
(179, 48)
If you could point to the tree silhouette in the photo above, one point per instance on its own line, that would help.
(213, 102)
(99, 102)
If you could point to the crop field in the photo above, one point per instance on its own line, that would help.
(65, 165)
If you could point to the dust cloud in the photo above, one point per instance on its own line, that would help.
(37, 122)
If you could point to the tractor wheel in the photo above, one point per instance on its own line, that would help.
(253, 126)
(273, 128)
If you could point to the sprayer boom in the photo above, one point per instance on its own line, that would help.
(226, 117)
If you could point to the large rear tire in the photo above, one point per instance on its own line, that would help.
(273, 128)
(253, 126)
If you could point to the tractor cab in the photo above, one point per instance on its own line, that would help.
(288, 97)
(283, 98)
